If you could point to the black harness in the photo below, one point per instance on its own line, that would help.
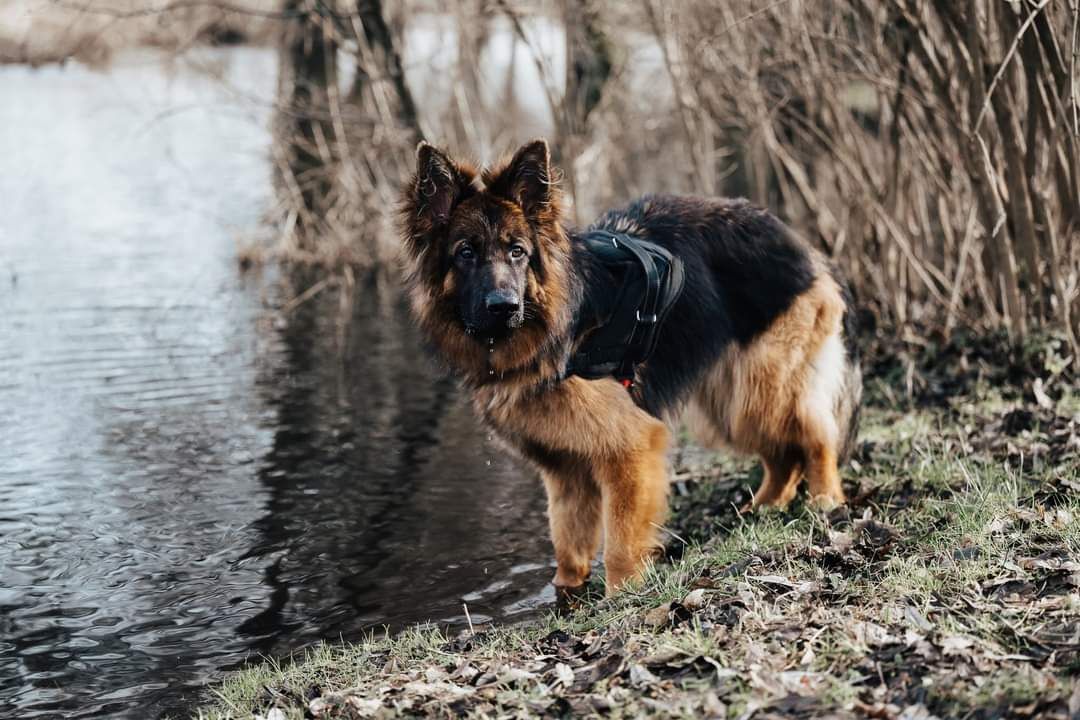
(626, 305)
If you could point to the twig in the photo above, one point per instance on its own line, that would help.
(1005, 63)
(468, 617)
(174, 6)
(670, 532)
(305, 296)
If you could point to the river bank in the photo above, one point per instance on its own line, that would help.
(949, 585)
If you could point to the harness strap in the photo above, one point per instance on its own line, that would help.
(647, 280)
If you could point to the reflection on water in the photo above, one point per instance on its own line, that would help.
(188, 479)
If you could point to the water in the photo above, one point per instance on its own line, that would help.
(189, 479)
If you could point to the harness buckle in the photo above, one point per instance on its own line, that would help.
(648, 319)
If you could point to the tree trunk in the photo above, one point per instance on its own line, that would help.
(380, 79)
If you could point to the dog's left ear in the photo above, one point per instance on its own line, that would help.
(527, 180)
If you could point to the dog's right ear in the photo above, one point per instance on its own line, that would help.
(438, 186)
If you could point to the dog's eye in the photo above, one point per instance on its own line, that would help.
(465, 251)
(517, 252)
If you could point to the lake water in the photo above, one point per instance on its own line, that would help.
(189, 478)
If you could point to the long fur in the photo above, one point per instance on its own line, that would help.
(758, 351)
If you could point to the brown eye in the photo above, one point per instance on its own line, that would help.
(517, 252)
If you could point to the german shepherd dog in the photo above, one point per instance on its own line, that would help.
(758, 348)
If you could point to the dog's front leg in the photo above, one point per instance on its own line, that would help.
(596, 424)
(634, 489)
(574, 518)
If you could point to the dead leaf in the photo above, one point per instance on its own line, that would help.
(917, 712)
(772, 580)
(694, 600)
(511, 675)
(841, 542)
(917, 620)
(872, 635)
(713, 707)
(956, 645)
(641, 677)
(564, 674)
(800, 682)
(1041, 398)
(662, 658)
(437, 689)
(658, 617)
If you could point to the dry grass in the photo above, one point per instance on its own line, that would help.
(950, 587)
(93, 31)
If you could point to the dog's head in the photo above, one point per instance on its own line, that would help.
(487, 252)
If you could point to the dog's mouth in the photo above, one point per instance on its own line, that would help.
(496, 326)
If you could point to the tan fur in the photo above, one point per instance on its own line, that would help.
(612, 473)
(765, 399)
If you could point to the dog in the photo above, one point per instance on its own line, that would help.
(758, 351)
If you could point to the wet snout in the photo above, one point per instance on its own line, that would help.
(502, 296)
(502, 302)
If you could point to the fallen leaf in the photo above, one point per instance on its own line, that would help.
(511, 675)
(1041, 398)
(713, 707)
(800, 682)
(564, 674)
(956, 644)
(772, 580)
(364, 706)
(658, 617)
(917, 620)
(694, 600)
(841, 542)
(641, 677)
(435, 674)
(465, 672)
(872, 635)
(437, 689)
(916, 712)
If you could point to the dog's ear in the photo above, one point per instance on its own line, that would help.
(439, 185)
(527, 179)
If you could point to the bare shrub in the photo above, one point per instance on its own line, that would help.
(931, 147)
(91, 31)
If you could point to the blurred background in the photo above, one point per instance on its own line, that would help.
(220, 436)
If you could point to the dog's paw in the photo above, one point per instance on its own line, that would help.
(826, 502)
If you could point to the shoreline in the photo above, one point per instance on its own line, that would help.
(949, 585)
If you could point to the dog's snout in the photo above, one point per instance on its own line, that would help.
(501, 302)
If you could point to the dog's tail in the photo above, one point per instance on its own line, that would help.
(849, 400)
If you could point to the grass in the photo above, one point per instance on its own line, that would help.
(949, 587)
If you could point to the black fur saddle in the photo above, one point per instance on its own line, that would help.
(632, 287)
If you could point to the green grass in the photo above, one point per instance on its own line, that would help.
(946, 584)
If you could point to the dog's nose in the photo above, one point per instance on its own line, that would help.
(501, 302)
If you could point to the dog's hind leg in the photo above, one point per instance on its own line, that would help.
(823, 476)
(783, 471)
(574, 519)
(634, 487)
